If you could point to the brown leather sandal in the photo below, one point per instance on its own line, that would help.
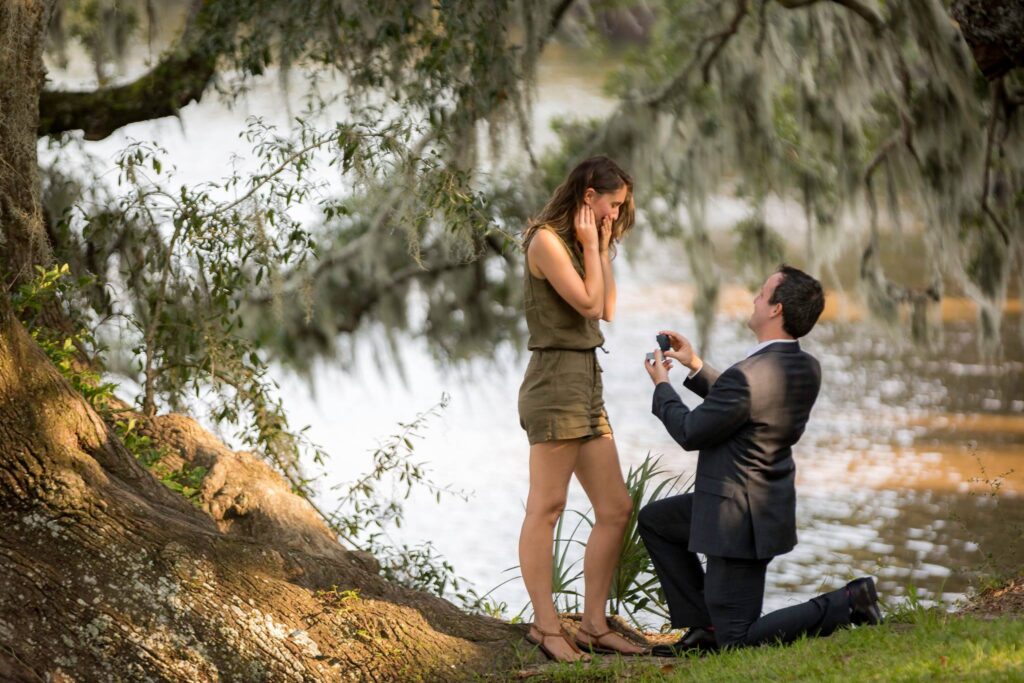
(595, 646)
(560, 633)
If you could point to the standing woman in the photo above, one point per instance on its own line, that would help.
(569, 287)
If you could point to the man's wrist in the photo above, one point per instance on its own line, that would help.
(695, 366)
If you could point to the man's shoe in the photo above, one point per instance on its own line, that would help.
(699, 639)
(863, 602)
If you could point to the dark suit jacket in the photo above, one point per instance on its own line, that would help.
(744, 501)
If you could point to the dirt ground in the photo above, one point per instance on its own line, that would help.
(1003, 601)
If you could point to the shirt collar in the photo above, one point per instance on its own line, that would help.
(765, 344)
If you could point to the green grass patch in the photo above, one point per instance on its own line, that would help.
(926, 645)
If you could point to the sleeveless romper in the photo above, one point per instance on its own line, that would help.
(561, 396)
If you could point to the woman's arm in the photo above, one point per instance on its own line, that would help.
(604, 242)
(609, 286)
(547, 255)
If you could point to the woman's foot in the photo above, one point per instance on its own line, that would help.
(602, 640)
(556, 644)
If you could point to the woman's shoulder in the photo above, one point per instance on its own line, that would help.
(546, 237)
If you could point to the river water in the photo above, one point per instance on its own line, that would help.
(911, 469)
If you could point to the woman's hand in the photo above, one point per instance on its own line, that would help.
(605, 234)
(586, 227)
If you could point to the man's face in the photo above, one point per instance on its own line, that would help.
(762, 309)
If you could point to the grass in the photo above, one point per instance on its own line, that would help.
(917, 645)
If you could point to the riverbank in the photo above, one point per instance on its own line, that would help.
(984, 641)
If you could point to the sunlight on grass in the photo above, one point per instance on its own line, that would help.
(928, 645)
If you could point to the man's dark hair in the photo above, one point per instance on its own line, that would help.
(802, 300)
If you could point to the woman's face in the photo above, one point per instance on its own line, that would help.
(606, 203)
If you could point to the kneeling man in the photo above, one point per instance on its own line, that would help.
(742, 512)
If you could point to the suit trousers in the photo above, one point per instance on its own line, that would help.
(729, 593)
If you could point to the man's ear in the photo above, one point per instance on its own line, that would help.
(776, 310)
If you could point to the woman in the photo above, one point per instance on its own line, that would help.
(569, 287)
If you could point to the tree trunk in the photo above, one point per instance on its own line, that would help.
(23, 240)
(107, 575)
(995, 32)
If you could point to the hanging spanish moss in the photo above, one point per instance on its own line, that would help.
(876, 106)
(872, 117)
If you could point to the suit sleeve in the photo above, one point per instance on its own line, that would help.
(725, 409)
(702, 382)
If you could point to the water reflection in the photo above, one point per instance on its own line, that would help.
(933, 540)
(912, 468)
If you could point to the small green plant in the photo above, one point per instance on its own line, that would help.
(564, 573)
(339, 600)
(70, 354)
(995, 566)
(635, 587)
(185, 480)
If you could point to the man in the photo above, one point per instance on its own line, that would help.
(742, 512)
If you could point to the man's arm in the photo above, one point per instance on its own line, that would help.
(701, 381)
(725, 409)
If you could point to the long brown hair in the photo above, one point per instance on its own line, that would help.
(600, 173)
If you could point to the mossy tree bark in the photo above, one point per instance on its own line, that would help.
(105, 574)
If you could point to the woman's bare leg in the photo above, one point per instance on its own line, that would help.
(598, 470)
(551, 467)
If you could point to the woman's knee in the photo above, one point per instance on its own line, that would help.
(615, 512)
(547, 511)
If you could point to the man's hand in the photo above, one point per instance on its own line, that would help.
(682, 350)
(658, 368)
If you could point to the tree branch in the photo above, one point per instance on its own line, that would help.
(997, 91)
(181, 77)
(719, 40)
(556, 20)
(723, 38)
(174, 83)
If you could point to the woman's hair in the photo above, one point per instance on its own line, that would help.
(600, 173)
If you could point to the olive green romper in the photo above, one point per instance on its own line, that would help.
(561, 396)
